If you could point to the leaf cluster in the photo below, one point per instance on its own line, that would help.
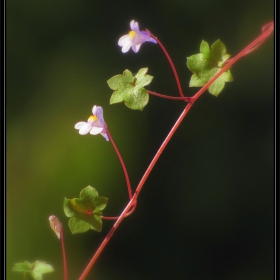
(85, 212)
(130, 89)
(33, 270)
(207, 64)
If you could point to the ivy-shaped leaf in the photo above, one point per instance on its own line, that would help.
(85, 212)
(208, 63)
(130, 89)
(34, 270)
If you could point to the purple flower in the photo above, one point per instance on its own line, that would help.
(95, 123)
(135, 38)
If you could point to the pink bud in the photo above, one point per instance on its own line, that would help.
(55, 225)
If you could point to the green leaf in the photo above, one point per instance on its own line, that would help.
(85, 212)
(205, 49)
(118, 80)
(130, 89)
(24, 267)
(207, 64)
(34, 270)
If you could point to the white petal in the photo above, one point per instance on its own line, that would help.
(80, 125)
(85, 129)
(123, 40)
(96, 130)
(136, 48)
(94, 109)
(126, 46)
(132, 23)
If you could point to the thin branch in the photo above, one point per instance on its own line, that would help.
(267, 29)
(122, 164)
(169, 97)
(63, 253)
(171, 64)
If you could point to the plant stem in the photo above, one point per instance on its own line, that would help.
(122, 164)
(107, 238)
(267, 29)
(63, 253)
(126, 215)
(169, 97)
(162, 147)
(171, 64)
(134, 198)
(191, 100)
(252, 46)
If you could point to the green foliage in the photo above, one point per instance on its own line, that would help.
(130, 89)
(85, 212)
(33, 270)
(208, 63)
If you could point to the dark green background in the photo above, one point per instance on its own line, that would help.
(207, 209)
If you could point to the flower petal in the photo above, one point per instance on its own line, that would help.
(134, 26)
(94, 110)
(126, 46)
(98, 112)
(95, 123)
(147, 36)
(123, 40)
(99, 115)
(96, 130)
(135, 38)
(80, 124)
(105, 136)
(84, 127)
(136, 48)
(152, 40)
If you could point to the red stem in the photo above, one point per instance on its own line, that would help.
(63, 253)
(133, 200)
(162, 147)
(107, 238)
(245, 51)
(267, 29)
(171, 64)
(122, 164)
(116, 217)
(252, 46)
(169, 97)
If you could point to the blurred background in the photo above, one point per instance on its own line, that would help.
(207, 208)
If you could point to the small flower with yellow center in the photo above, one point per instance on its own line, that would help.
(95, 124)
(135, 38)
